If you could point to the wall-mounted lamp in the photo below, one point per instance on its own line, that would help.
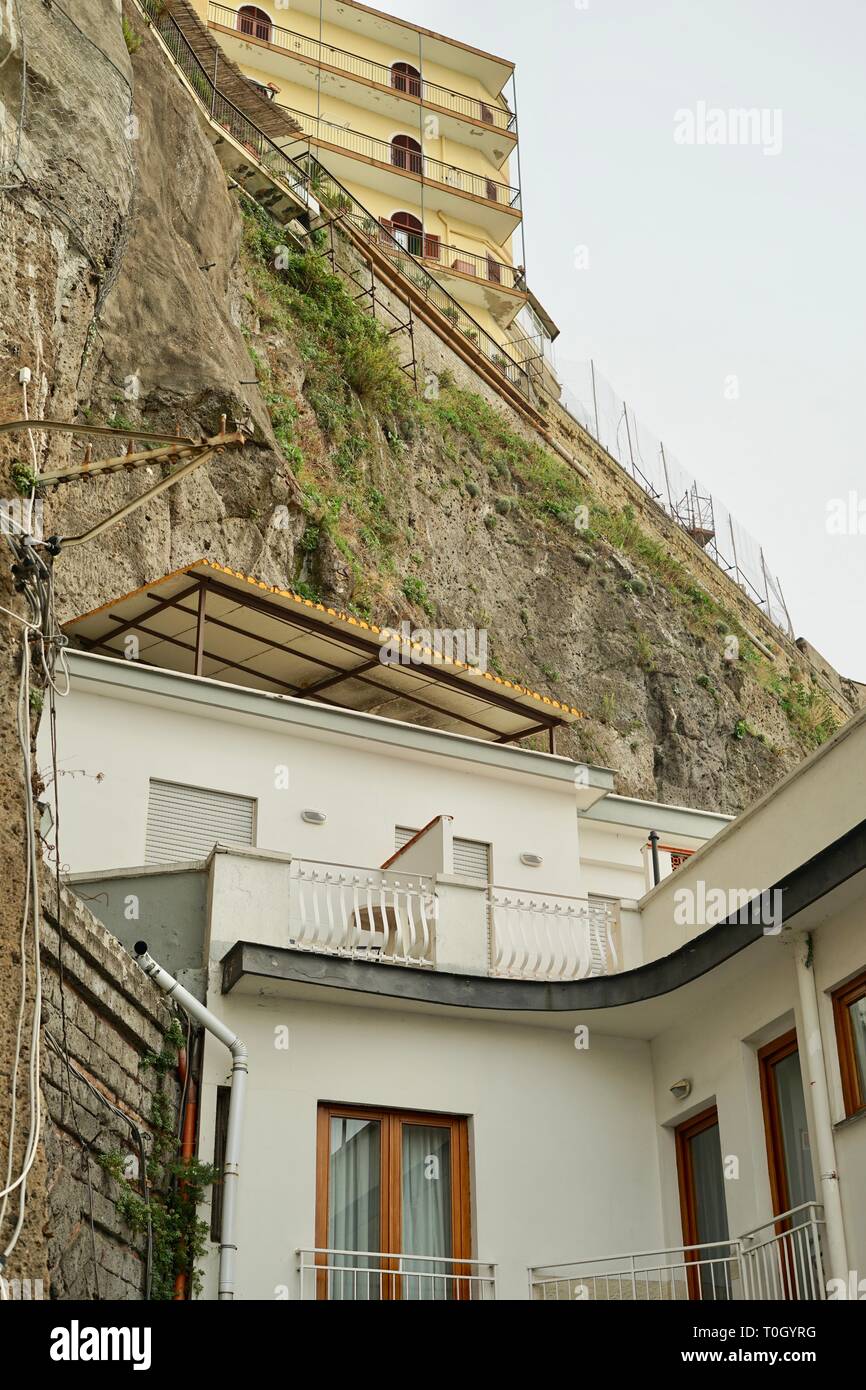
(314, 817)
(532, 861)
(681, 1089)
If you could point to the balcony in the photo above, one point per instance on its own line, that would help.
(363, 1276)
(399, 91)
(778, 1262)
(395, 916)
(484, 201)
(475, 279)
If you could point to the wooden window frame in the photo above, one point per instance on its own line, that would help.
(684, 1134)
(391, 1186)
(768, 1056)
(853, 1091)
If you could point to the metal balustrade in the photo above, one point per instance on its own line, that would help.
(406, 160)
(487, 113)
(364, 914)
(549, 937)
(425, 246)
(780, 1261)
(364, 1276)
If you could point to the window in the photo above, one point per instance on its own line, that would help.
(405, 78)
(392, 1183)
(255, 23)
(186, 822)
(792, 1181)
(471, 857)
(678, 856)
(408, 231)
(849, 1010)
(702, 1205)
(406, 154)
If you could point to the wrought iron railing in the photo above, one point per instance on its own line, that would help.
(363, 914)
(365, 1276)
(488, 113)
(780, 1261)
(545, 936)
(304, 175)
(406, 160)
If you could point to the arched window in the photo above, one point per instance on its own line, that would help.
(407, 229)
(406, 154)
(255, 23)
(406, 79)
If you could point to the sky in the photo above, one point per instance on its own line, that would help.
(722, 288)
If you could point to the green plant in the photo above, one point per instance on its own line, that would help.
(166, 1198)
(24, 480)
(645, 654)
(415, 590)
(607, 707)
(131, 37)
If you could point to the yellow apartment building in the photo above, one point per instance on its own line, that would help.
(421, 130)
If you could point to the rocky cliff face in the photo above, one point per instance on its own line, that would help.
(139, 292)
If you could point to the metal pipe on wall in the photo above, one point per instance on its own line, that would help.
(240, 1070)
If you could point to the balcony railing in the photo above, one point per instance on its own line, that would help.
(406, 84)
(364, 1276)
(780, 1262)
(364, 914)
(426, 246)
(547, 937)
(407, 160)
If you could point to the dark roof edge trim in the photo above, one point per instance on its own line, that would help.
(813, 880)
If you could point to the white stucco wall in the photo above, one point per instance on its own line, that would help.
(562, 1142)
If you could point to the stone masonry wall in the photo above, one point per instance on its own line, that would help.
(113, 1014)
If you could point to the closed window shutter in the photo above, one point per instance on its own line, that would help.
(471, 857)
(186, 822)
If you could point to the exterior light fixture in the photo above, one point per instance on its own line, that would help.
(681, 1089)
(314, 817)
(532, 861)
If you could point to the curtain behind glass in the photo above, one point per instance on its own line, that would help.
(857, 1012)
(426, 1210)
(795, 1131)
(711, 1211)
(354, 1207)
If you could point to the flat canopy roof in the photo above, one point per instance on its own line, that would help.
(209, 620)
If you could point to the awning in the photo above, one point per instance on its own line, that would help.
(213, 621)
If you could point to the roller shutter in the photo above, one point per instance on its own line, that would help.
(186, 822)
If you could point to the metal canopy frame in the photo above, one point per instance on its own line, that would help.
(325, 675)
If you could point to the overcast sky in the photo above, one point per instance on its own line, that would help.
(709, 261)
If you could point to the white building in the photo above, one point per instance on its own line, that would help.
(486, 1054)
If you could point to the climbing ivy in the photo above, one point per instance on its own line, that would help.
(175, 1186)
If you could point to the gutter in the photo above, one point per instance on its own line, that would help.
(240, 1069)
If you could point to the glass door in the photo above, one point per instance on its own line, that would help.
(789, 1158)
(392, 1206)
(703, 1207)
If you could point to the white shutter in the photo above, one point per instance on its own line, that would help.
(471, 857)
(186, 822)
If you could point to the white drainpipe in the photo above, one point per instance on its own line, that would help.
(231, 1166)
(816, 1075)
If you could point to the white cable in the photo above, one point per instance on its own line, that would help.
(35, 1105)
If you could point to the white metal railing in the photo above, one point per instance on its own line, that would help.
(782, 1259)
(365, 1276)
(365, 914)
(550, 937)
(779, 1262)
